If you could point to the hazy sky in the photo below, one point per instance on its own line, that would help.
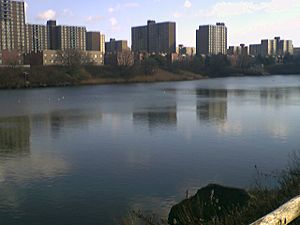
(248, 21)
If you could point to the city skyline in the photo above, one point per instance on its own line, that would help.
(247, 21)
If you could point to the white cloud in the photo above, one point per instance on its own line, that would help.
(113, 22)
(230, 8)
(47, 15)
(111, 10)
(187, 4)
(177, 15)
(131, 5)
(119, 7)
(67, 12)
(93, 19)
(223, 9)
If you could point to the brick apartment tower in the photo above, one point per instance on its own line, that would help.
(12, 27)
(154, 38)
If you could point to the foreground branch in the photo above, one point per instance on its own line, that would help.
(283, 215)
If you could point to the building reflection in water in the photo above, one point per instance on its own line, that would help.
(212, 105)
(71, 119)
(15, 135)
(157, 118)
(278, 96)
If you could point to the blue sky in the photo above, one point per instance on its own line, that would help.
(248, 21)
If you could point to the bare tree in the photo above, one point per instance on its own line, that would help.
(70, 57)
(125, 58)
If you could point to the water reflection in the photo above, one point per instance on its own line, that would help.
(272, 96)
(71, 119)
(15, 135)
(277, 96)
(212, 105)
(162, 117)
(18, 163)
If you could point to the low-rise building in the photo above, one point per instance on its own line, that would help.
(11, 57)
(186, 51)
(296, 51)
(118, 53)
(55, 57)
(116, 46)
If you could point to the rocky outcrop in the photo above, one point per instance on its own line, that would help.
(210, 203)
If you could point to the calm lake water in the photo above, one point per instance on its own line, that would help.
(87, 155)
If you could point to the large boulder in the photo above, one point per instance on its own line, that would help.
(210, 203)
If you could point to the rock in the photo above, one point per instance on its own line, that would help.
(213, 201)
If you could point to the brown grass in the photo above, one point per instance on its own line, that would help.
(160, 76)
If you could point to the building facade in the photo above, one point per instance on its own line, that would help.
(238, 50)
(12, 31)
(115, 46)
(12, 26)
(255, 49)
(118, 53)
(95, 41)
(269, 47)
(54, 57)
(36, 38)
(272, 47)
(211, 39)
(52, 35)
(296, 51)
(102, 43)
(71, 37)
(154, 38)
(285, 47)
(186, 51)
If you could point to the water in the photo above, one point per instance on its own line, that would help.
(87, 155)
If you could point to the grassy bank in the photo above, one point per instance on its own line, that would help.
(54, 76)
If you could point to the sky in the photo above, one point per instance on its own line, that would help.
(248, 21)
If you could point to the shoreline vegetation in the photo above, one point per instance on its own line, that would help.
(218, 205)
(152, 69)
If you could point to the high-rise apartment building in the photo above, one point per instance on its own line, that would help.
(255, 49)
(238, 50)
(285, 47)
(12, 25)
(36, 38)
(52, 35)
(102, 43)
(95, 41)
(273, 47)
(154, 38)
(65, 37)
(116, 46)
(211, 39)
(71, 37)
(269, 47)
